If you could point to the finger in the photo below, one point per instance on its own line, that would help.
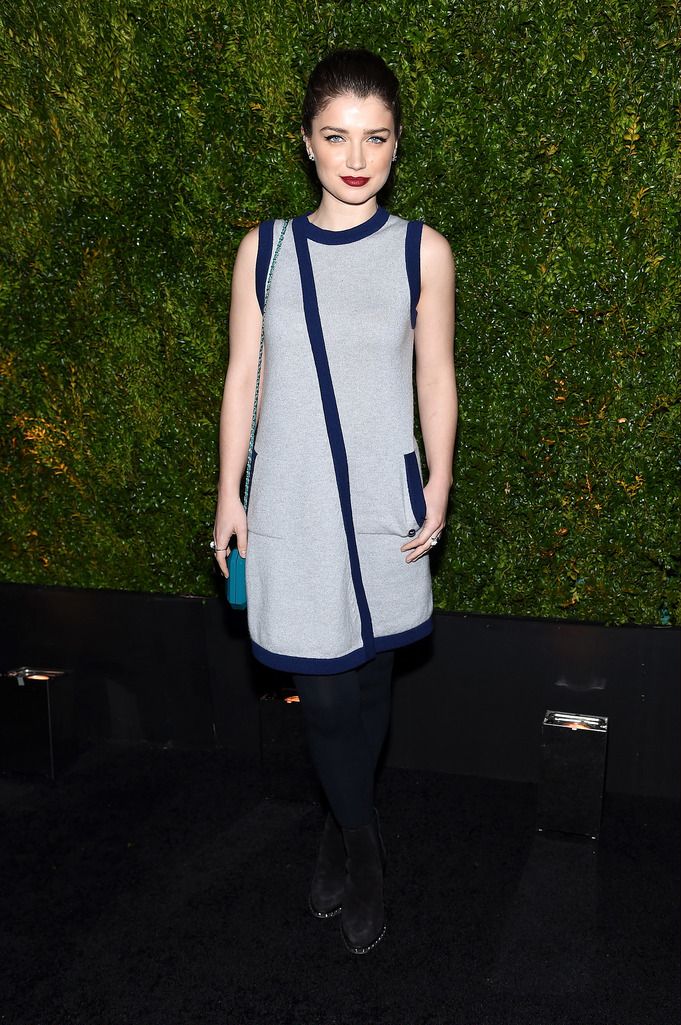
(424, 547)
(427, 530)
(221, 559)
(242, 541)
(418, 553)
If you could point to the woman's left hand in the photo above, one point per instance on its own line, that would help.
(436, 515)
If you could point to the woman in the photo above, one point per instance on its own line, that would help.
(339, 524)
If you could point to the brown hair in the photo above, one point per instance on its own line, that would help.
(351, 71)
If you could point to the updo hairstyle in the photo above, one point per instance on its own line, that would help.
(360, 72)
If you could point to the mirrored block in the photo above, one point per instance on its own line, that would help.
(37, 721)
(573, 756)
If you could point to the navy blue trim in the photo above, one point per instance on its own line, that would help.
(416, 496)
(400, 640)
(311, 666)
(338, 238)
(412, 255)
(333, 425)
(262, 262)
(328, 666)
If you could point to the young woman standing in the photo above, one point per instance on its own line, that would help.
(339, 523)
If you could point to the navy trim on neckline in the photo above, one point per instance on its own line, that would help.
(339, 238)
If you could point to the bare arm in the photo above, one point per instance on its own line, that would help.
(245, 322)
(435, 382)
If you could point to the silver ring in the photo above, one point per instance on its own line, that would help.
(212, 545)
(434, 540)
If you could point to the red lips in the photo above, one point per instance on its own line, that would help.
(356, 183)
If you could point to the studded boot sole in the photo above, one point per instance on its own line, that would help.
(328, 883)
(363, 923)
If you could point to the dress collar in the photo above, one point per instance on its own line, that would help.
(337, 238)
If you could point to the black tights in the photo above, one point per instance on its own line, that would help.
(346, 719)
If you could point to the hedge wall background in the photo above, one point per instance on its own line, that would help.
(141, 139)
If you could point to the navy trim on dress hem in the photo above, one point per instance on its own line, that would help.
(400, 640)
(354, 659)
(310, 666)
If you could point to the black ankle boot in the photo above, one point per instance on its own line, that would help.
(328, 881)
(363, 921)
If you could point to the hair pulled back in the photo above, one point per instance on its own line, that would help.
(360, 72)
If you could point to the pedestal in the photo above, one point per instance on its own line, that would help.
(37, 722)
(570, 797)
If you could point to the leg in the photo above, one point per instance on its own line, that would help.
(375, 682)
(344, 763)
(347, 717)
(363, 921)
(340, 750)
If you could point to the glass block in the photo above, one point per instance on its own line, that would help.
(573, 756)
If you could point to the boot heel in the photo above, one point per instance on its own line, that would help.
(363, 920)
(328, 882)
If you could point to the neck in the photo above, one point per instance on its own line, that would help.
(332, 215)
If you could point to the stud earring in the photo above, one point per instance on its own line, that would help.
(311, 156)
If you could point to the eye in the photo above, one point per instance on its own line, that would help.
(330, 138)
(377, 138)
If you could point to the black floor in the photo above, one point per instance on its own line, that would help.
(157, 886)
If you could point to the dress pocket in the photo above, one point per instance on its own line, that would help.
(264, 513)
(417, 499)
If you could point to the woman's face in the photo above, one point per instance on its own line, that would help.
(353, 142)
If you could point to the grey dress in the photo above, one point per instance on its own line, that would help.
(336, 486)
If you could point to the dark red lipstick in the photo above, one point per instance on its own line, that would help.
(356, 183)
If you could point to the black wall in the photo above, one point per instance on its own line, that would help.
(469, 700)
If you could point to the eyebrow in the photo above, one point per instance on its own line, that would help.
(344, 131)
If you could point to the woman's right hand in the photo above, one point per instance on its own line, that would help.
(230, 520)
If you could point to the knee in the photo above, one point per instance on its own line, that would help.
(330, 715)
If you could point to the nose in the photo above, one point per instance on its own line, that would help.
(356, 159)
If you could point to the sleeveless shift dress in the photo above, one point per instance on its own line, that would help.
(336, 483)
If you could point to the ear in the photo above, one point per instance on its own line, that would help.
(307, 144)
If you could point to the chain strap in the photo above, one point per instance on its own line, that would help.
(254, 418)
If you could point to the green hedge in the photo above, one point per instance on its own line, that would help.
(140, 140)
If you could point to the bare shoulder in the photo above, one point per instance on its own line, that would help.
(434, 246)
(243, 276)
(437, 259)
(248, 247)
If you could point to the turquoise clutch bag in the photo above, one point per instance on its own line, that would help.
(235, 584)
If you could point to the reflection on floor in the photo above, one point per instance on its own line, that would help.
(160, 886)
